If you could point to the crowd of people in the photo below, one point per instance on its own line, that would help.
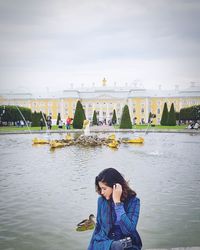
(193, 125)
(61, 124)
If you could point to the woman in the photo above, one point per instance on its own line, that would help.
(117, 214)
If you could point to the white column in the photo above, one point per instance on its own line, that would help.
(86, 110)
(107, 113)
(130, 106)
(93, 108)
(121, 109)
(62, 110)
(100, 112)
(180, 104)
(147, 111)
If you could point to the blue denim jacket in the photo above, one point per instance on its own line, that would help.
(106, 218)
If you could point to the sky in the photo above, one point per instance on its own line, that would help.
(50, 45)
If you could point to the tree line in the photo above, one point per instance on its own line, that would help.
(9, 115)
(171, 117)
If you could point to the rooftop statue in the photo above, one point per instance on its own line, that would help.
(104, 81)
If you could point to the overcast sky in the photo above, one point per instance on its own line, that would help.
(49, 44)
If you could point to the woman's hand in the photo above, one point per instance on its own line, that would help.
(117, 192)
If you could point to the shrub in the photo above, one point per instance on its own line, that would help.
(126, 119)
(164, 117)
(114, 117)
(79, 116)
(58, 119)
(171, 121)
(94, 118)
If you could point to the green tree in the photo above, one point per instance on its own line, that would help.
(36, 116)
(164, 117)
(196, 112)
(11, 114)
(177, 116)
(79, 116)
(114, 117)
(190, 113)
(126, 119)
(94, 118)
(84, 116)
(58, 118)
(171, 121)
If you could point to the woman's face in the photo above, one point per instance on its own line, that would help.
(106, 191)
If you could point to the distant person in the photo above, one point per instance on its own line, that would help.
(49, 123)
(41, 124)
(60, 124)
(22, 123)
(191, 125)
(117, 214)
(68, 122)
(196, 125)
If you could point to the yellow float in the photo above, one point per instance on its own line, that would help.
(56, 144)
(113, 144)
(40, 141)
(112, 137)
(134, 140)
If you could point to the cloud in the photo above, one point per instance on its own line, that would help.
(65, 41)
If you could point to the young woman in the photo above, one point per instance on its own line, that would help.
(117, 214)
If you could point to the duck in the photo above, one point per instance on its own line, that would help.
(112, 137)
(86, 224)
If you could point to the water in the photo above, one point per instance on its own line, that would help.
(44, 193)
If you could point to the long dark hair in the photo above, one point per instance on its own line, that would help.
(111, 176)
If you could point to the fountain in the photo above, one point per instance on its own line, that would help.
(86, 126)
(24, 119)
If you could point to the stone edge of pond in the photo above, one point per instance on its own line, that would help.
(99, 130)
(176, 248)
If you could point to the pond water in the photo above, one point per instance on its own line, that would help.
(45, 193)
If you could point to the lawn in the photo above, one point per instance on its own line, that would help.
(14, 128)
(140, 127)
(160, 127)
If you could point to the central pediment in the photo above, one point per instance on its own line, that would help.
(105, 96)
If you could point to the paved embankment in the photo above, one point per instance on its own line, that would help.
(177, 248)
(104, 129)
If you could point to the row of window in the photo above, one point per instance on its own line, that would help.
(118, 105)
(118, 111)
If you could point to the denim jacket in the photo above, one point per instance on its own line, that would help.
(105, 219)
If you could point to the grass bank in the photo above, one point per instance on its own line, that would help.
(55, 128)
(158, 127)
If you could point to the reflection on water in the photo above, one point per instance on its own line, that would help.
(45, 193)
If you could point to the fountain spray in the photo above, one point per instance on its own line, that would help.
(24, 119)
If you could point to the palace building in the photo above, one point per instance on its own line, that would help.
(104, 100)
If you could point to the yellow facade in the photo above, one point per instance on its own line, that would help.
(139, 106)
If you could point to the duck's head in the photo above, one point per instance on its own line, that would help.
(91, 217)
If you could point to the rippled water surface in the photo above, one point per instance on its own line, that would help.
(44, 193)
